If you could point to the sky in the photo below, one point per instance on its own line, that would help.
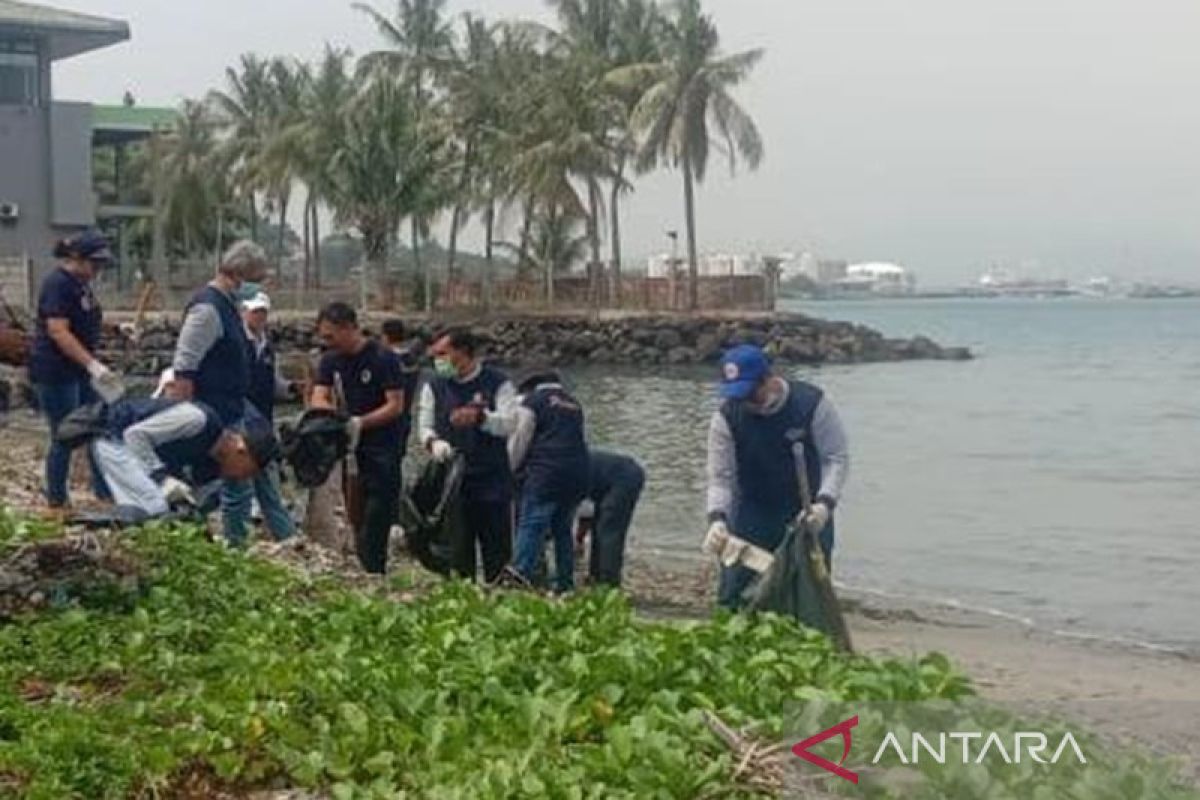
(1058, 138)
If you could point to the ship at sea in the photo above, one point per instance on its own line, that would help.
(999, 283)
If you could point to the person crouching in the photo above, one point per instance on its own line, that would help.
(548, 453)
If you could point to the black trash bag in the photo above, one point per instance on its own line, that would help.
(83, 426)
(431, 514)
(798, 585)
(314, 445)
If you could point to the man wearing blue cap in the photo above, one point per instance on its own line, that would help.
(767, 433)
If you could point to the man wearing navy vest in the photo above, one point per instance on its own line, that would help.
(156, 451)
(469, 408)
(212, 362)
(266, 387)
(767, 432)
(548, 453)
(614, 488)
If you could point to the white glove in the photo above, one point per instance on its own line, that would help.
(816, 518)
(176, 491)
(716, 539)
(441, 451)
(353, 433)
(107, 383)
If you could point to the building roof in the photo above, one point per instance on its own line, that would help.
(117, 124)
(66, 33)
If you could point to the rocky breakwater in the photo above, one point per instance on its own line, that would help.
(620, 340)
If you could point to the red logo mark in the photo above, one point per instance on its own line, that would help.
(842, 729)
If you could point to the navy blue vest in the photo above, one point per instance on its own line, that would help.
(768, 491)
(488, 476)
(262, 378)
(189, 459)
(556, 465)
(223, 378)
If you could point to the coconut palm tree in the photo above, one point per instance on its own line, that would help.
(193, 191)
(688, 100)
(419, 43)
(244, 111)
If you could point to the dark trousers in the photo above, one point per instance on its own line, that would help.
(378, 487)
(488, 523)
(57, 401)
(609, 533)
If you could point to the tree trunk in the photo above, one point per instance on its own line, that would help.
(426, 272)
(253, 218)
(375, 246)
(281, 237)
(548, 257)
(615, 231)
(689, 202)
(595, 269)
(456, 217)
(489, 275)
(304, 276)
(316, 244)
(526, 224)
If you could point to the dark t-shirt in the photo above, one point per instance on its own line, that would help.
(63, 296)
(366, 378)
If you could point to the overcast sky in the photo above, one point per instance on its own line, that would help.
(1057, 136)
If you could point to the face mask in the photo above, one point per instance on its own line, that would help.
(444, 368)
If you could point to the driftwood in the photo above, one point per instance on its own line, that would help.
(764, 767)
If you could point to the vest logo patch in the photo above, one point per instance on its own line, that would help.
(365, 377)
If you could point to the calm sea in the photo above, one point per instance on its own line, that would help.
(1055, 479)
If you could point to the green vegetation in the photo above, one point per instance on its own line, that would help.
(534, 131)
(222, 671)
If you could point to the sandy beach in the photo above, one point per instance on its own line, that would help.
(1128, 695)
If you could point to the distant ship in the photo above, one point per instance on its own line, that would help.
(1002, 284)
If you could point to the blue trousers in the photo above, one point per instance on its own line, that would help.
(236, 499)
(539, 516)
(57, 401)
(737, 579)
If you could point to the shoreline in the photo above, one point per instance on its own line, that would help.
(1124, 693)
(1128, 694)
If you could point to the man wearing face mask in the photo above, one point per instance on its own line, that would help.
(212, 363)
(471, 408)
(767, 432)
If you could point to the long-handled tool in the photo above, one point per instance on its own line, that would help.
(351, 486)
(820, 572)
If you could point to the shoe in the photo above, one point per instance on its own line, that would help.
(509, 578)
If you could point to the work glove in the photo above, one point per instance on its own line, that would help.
(441, 451)
(816, 518)
(107, 383)
(176, 491)
(353, 433)
(717, 538)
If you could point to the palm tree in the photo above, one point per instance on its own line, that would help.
(244, 110)
(376, 171)
(689, 93)
(636, 39)
(419, 46)
(193, 190)
(473, 115)
(555, 246)
(311, 140)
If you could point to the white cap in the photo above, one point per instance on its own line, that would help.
(259, 302)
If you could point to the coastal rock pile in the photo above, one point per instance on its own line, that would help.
(627, 341)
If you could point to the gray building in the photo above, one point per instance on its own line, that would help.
(46, 188)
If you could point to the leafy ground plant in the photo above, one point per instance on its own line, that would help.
(247, 676)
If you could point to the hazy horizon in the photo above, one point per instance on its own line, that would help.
(1054, 137)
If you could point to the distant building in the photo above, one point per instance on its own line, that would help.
(877, 278)
(830, 271)
(46, 188)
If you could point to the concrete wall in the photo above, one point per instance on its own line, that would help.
(55, 194)
(72, 199)
(25, 180)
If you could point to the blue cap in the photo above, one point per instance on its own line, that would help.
(742, 369)
(89, 245)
